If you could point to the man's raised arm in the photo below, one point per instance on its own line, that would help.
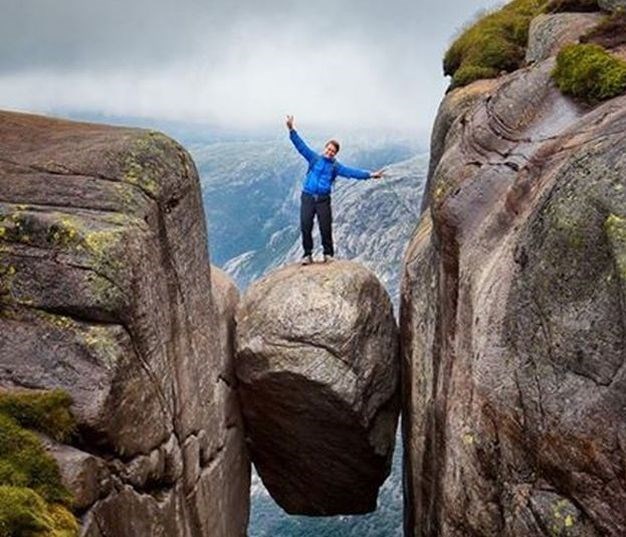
(353, 173)
(298, 142)
(357, 173)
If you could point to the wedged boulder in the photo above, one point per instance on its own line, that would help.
(106, 292)
(512, 320)
(317, 363)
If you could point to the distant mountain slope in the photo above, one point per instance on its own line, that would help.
(251, 196)
(372, 222)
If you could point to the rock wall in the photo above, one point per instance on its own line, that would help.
(513, 315)
(106, 291)
(549, 32)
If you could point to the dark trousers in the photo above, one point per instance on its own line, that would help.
(309, 207)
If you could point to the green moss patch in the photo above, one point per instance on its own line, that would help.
(589, 72)
(495, 43)
(24, 513)
(33, 500)
(44, 411)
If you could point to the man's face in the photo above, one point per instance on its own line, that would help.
(330, 150)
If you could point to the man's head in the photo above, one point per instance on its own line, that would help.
(331, 148)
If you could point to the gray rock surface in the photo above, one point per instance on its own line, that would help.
(512, 319)
(451, 112)
(86, 475)
(549, 32)
(612, 5)
(106, 292)
(318, 372)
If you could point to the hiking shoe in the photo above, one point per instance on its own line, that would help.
(328, 258)
(307, 260)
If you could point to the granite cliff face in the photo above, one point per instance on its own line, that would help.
(318, 369)
(106, 291)
(513, 312)
(512, 328)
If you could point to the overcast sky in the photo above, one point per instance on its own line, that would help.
(365, 64)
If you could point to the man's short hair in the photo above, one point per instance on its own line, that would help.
(335, 143)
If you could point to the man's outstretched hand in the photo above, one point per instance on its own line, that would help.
(289, 122)
(378, 174)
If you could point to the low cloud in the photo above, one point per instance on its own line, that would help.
(367, 65)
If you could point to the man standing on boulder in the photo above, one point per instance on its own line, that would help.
(315, 197)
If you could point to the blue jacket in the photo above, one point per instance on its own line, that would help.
(322, 170)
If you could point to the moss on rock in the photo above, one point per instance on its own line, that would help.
(44, 411)
(589, 72)
(7, 274)
(23, 513)
(17, 226)
(496, 42)
(61, 231)
(33, 500)
(469, 73)
(143, 165)
(615, 228)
